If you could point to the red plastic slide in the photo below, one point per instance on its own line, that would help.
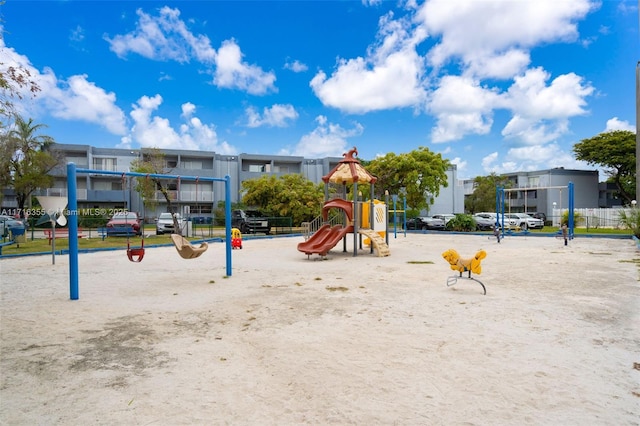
(324, 239)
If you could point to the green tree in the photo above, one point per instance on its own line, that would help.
(14, 82)
(420, 172)
(290, 195)
(483, 198)
(153, 162)
(616, 152)
(26, 160)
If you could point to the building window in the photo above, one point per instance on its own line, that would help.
(192, 165)
(257, 168)
(78, 161)
(107, 164)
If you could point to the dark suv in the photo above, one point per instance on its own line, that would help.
(250, 221)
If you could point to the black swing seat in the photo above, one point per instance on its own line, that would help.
(187, 250)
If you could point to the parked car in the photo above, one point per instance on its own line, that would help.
(488, 215)
(165, 224)
(425, 223)
(250, 221)
(524, 221)
(539, 215)
(7, 222)
(123, 220)
(446, 217)
(484, 223)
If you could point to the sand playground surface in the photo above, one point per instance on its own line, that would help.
(362, 340)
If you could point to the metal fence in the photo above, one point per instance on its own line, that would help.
(591, 218)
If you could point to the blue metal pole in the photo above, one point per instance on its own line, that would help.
(72, 202)
(404, 214)
(395, 220)
(499, 193)
(386, 217)
(227, 220)
(571, 211)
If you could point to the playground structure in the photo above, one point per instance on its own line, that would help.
(357, 218)
(185, 249)
(502, 198)
(470, 265)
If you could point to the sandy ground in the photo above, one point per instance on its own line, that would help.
(348, 340)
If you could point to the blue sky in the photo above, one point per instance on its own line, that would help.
(492, 85)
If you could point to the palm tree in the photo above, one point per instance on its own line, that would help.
(25, 160)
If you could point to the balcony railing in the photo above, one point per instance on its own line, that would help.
(186, 196)
(81, 194)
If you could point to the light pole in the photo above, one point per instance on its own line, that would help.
(554, 212)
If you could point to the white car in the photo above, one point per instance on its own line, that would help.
(524, 221)
(164, 225)
(446, 217)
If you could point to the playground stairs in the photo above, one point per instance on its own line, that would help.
(378, 242)
(310, 228)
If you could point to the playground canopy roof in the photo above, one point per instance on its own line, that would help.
(349, 170)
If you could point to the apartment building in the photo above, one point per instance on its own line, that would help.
(189, 197)
(544, 190)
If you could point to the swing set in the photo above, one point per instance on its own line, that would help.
(136, 254)
(501, 201)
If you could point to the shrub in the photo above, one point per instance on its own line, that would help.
(630, 219)
(462, 223)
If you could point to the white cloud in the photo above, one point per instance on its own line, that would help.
(80, 99)
(530, 158)
(564, 97)
(461, 107)
(233, 73)
(473, 30)
(188, 109)
(276, 116)
(326, 140)
(157, 132)
(491, 164)
(488, 161)
(461, 165)
(73, 99)
(164, 37)
(540, 111)
(492, 40)
(77, 34)
(616, 124)
(167, 38)
(390, 76)
(499, 66)
(295, 66)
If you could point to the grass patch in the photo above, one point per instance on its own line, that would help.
(90, 241)
(420, 262)
(337, 288)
